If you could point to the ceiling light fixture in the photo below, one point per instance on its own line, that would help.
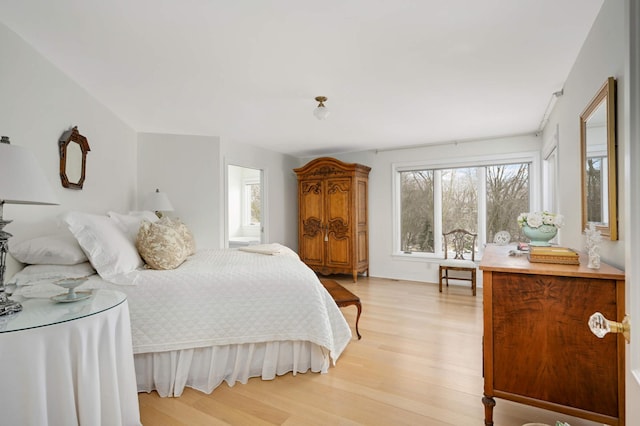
(321, 112)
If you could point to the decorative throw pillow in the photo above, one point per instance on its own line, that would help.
(183, 230)
(62, 249)
(161, 246)
(110, 252)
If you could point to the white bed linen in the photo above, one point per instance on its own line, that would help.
(205, 369)
(246, 304)
(222, 297)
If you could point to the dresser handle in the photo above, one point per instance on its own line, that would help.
(600, 326)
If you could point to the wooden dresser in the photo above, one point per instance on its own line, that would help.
(333, 234)
(538, 349)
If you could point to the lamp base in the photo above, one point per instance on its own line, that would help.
(8, 306)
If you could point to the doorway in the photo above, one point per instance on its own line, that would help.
(245, 206)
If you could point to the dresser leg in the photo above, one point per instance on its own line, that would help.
(489, 403)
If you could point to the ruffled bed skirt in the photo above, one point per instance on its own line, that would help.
(205, 368)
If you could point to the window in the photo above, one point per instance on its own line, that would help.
(459, 199)
(507, 196)
(251, 203)
(482, 198)
(416, 202)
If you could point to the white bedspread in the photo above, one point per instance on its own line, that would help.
(226, 296)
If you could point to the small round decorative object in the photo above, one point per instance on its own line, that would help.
(502, 238)
(70, 284)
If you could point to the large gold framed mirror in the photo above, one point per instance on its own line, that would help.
(598, 157)
(73, 158)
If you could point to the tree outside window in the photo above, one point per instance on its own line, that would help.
(416, 202)
(507, 196)
(460, 199)
(450, 197)
(252, 204)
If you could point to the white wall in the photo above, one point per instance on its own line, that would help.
(188, 169)
(37, 104)
(382, 262)
(601, 56)
(280, 188)
(191, 170)
(234, 201)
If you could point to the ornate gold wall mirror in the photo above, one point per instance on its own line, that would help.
(73, 158)
(598, 153)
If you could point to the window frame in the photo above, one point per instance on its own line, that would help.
(532, 157)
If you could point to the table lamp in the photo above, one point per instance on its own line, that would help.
(158, 202)
(21, 182)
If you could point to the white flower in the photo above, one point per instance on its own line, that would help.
(537, 219)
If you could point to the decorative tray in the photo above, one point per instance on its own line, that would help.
(560, 255)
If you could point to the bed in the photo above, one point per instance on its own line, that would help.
(221, 315)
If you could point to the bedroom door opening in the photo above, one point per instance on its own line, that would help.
(245, 207)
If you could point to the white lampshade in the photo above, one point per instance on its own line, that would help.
(158, 202)
(21, 178)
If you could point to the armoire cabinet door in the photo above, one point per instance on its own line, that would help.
(338, 217)
(312, 227)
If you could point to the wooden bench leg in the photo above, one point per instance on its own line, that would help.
(359, 306)
(343, 298)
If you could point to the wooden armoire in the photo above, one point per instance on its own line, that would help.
(333, 230)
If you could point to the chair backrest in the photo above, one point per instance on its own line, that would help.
(460, 241)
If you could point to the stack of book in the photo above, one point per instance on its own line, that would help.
(562, 255)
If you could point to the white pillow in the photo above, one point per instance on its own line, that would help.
(108, 249)
(62, 249)
(35, 274)
(130, 223)
(145, 214)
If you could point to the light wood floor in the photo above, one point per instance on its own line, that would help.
(419, 363)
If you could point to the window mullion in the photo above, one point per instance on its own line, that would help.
(482, 207)
(437, 214)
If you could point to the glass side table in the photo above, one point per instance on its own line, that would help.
(42, 312)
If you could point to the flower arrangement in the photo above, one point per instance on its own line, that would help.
(537, 219)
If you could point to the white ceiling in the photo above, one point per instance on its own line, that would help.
(396, 72)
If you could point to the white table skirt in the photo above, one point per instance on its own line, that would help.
(78, 372)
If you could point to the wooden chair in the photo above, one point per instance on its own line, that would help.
(459, 241)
